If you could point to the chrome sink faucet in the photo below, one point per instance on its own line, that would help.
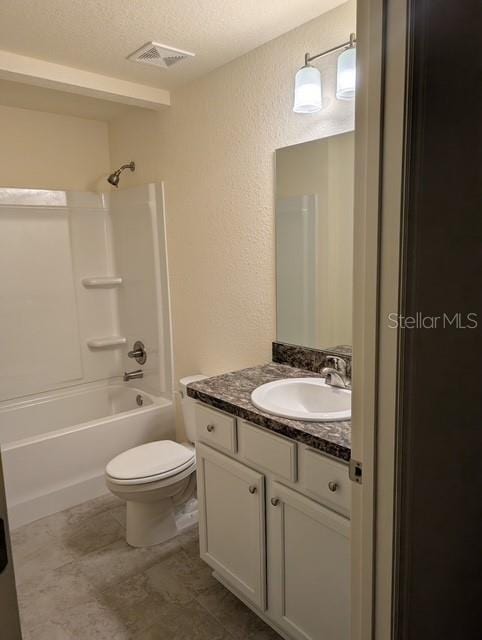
(133, 375)
(333, 378)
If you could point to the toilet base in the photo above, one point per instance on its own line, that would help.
(150, 523)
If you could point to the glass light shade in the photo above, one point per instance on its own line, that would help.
(346, 75)
(307, 90)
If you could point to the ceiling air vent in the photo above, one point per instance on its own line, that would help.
(159, 55)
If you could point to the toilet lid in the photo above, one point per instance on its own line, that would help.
(163, 459)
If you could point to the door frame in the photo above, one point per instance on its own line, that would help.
(379, 168)
(10, 622)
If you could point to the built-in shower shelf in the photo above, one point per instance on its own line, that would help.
(102, 282)
(107, 342)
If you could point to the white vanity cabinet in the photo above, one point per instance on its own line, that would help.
(232, 522)
(273, 525)
(308, 567)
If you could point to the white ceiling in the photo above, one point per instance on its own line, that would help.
(98, 35)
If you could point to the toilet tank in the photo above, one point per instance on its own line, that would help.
(188, 405)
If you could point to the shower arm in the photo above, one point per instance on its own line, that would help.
(129, 165)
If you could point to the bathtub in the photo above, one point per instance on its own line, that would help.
(55, 447)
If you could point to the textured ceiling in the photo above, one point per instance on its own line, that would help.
(25, 96)
(97, 35)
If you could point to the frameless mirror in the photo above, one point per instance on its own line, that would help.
(314, 242)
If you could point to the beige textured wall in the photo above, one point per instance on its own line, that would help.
(137, 136)
(215, 151)
(48, 151)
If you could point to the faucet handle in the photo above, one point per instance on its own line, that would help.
(138, 352)
(339, 364)
(333, 377)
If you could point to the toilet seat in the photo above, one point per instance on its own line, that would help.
(151, 462)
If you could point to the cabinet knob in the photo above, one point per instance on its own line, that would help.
(275, 502)
(252, 488)
(332, 486)
(210, 427)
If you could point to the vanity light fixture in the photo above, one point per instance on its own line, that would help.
(308, 95)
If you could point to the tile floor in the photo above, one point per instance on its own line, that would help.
(78, 579)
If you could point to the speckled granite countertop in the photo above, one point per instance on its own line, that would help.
(231, 392)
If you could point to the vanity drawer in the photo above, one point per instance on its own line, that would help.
(268, 451)
(325, 479)
(216, 428)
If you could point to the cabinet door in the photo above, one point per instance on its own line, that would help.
(308, 567)
(232, 522)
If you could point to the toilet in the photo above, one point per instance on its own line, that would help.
(155, 479)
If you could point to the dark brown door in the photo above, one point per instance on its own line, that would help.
(439, 550)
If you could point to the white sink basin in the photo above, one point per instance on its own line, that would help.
(303, 399)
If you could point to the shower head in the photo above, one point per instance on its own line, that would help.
(114, 178)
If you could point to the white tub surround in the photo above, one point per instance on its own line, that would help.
(85, 277)
(140, 251)
(88, 277)
(50, 240)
